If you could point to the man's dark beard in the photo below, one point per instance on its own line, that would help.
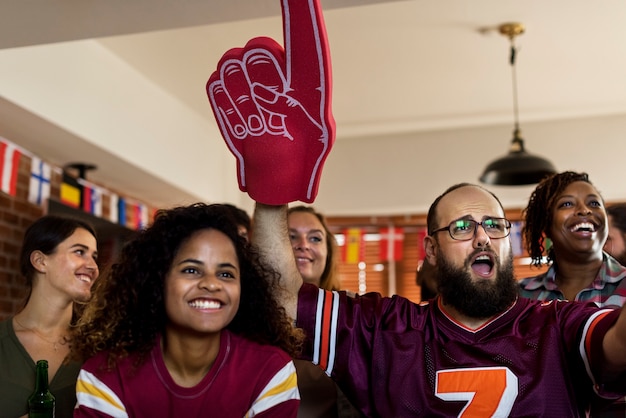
(482, 299)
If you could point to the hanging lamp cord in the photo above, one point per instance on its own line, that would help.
(514, 79)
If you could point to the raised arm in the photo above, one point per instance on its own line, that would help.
(270, 234)
(272, 105)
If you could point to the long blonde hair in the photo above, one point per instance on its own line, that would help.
(330, 275)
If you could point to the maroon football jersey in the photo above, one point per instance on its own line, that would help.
(394, 358)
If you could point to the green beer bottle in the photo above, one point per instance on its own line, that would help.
(41, 402)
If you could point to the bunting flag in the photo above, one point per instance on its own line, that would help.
(391, 242)
(113, 212)
(92, 200)
(517, 243)
(9, 164)
(71, 191)
(121, 211)
(143, 216)
(139, 216)
(39, 188)
(421, 234)
(353, 249)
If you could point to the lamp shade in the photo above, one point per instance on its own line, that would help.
(517, 168)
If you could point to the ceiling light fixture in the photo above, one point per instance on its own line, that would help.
(518, 167)
(81, 168)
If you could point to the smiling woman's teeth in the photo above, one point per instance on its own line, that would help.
(204, 304)
(84, 278)
(583, 226)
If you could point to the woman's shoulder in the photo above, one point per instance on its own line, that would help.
(6, 326)
(248, 349)
(8, 338)
(104, 361)
(97, 364)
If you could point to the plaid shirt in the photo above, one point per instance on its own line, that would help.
(607, 290)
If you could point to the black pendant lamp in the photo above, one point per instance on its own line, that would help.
(518, 167)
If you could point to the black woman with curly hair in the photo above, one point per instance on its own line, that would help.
(568, 209)
(186, 323)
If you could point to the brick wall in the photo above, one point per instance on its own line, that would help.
(17, 213)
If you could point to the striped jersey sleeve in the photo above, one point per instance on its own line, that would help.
(591, 351)
(325, 341)
(95, 398)
(279, 390)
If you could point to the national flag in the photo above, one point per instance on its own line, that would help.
(113, 212)
(143, 216)
(9, 164)
(39, 188)
(139, 216)
(354, 246)
(517, 242)
(71, 191)
(421, 234)
(92, 200)
(121, 211)
(391, 242)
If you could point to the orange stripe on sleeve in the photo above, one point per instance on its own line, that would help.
(592, 327)
(325, 329)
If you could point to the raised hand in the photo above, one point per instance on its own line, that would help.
(273, 107)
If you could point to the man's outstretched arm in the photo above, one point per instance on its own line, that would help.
(270, 234)
(614, 345)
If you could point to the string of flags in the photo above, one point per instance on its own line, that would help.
(353, 250)
(40, 176)
(9, 158)
(391, 244)
(74, 192)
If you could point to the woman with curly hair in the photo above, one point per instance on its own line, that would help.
(567, 209)
(186, 324)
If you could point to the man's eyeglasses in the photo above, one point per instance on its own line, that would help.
(465, 229)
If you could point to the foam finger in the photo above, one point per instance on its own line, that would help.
(237, 84)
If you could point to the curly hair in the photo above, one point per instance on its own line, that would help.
(538, 215)
(330, 275)
(241, 216)
(127, 310)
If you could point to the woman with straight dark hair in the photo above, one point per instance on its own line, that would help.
(58, 260)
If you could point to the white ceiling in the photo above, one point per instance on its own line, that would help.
(398, 66)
